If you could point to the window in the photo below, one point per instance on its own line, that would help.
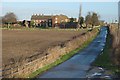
(56, 18)
(55, 21)
(49, 21)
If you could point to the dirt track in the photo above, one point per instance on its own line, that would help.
(23, 43)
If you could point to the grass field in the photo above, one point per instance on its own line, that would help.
(19, 44)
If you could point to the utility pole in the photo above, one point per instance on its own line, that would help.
(80, 10)
(80, 13)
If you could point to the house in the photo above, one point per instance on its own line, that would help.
(58, 19)
(42, 20)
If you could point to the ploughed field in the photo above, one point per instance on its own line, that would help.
(19, 44)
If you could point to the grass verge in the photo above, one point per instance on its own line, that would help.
(61, 59)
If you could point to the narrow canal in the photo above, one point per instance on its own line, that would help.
(78, 65)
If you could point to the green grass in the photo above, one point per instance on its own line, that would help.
(62, 59)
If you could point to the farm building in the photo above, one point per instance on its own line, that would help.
(42, 20)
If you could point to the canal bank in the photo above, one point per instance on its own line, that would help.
(70, 54)
(78, 65)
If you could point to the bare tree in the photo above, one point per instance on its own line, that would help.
(92, 19)
(95, 20)
(88, 19)
(9, 18)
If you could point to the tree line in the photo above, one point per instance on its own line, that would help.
(90, 20)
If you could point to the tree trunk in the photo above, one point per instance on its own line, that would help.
(8, 25)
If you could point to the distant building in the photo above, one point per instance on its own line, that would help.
(42, 20)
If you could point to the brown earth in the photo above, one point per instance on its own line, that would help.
(19, 44)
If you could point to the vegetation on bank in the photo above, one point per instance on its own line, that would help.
(105, 59)
(61, 59)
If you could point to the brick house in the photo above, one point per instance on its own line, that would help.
(49, 20)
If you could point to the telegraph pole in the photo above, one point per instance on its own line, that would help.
(80, 10)
(80, 13)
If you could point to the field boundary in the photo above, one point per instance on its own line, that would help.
(40, 29)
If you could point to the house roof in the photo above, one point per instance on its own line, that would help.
(61, 16)
(36, 17)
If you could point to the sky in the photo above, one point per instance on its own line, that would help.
(108, 11)
(59, 0)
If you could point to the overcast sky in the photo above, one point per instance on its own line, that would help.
(108, 11)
